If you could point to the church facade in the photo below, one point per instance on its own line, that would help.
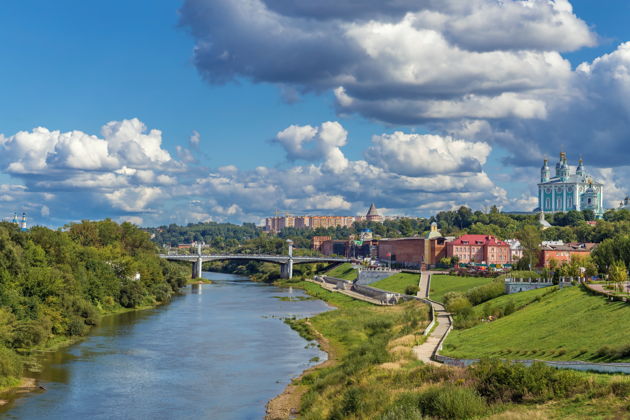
(569, 191)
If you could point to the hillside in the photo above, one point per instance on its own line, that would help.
(343, 271)
(569, 324)
(442, 284)
(398, 282)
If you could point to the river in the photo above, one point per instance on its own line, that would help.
(220, 353)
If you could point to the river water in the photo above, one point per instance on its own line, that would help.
(220, 353)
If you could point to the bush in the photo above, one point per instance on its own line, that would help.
(10, 363)
(458, 305)
(406, 407)
(515, 382)
(451, 402)
(620, 388)
(486, 292)
(411, 290)
(30, 333)
(131, 294)
(613, 353)
(77, 327)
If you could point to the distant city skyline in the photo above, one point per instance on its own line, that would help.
(228, 110)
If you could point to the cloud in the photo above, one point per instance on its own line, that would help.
(325, 143)
(399, 62)
(125, 170)
(134, 199)
(590, 116)
(425, 154)
(405, 173)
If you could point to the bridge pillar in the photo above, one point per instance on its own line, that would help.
(197, 268)
(286, 270)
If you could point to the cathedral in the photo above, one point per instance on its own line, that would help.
(566, 191)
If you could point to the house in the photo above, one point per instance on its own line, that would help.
(479, 249)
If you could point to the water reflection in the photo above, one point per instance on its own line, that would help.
(221, 354)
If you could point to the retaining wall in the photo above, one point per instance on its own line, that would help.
(573, 365)
(371, 276)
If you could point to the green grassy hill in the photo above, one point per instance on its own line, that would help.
(343, 271)
(569, 324)
(442, 284)
(398, 282)
(518, 300)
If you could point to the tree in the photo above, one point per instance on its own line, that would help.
(530, 240)
(618, 274)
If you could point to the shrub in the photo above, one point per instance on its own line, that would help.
(131, 294)
(10, 363)
(451, 402)
(458, 305)
(77, 327)
(411, 290)
(30, 333)
(514, 382)
(406, 407)
(486, 292)
(613, 353)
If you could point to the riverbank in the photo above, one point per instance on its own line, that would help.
(374, 375)
(27, 384)
(287, 404)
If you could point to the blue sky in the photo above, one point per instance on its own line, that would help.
(75, 66)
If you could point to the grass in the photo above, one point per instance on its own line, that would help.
(374, 375)
(569, 324)
(398, 282)
(335, 299)
(343, 271)
(519, 300)
(442, 284)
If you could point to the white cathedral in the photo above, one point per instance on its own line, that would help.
(567, 191)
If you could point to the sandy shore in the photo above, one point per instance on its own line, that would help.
(287, 405)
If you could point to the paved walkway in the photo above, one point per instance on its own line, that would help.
(425, 351)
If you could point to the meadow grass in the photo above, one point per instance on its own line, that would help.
(343, 271)
(398, 282)
(376, 376)
(441, 284)
(569, 324)
(518, 300)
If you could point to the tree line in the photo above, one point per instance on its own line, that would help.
(55, 284)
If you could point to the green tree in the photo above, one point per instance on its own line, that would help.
(530, 240)
(618, 274)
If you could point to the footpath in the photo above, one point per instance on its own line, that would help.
(427, 350)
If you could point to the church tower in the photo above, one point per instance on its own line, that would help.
(545, 173)
(580, 169)
(564, 167)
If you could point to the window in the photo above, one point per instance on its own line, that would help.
(547, 203)
(570, 201)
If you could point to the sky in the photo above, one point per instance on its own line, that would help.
(181, 111)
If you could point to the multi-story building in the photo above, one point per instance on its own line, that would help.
(562, 253)
(566, 191)
(479, 249)
(276, 224)
(317, 241)
(416, 251)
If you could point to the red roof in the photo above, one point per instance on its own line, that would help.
(478, 240)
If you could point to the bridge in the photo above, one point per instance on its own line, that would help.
(286, 262)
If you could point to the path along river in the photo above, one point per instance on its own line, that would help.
(219, 354)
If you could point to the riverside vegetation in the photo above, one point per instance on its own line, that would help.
(54, 285)
(373, 374)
